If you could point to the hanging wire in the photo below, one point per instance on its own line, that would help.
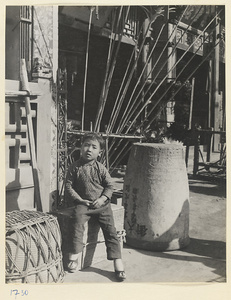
(86, 68)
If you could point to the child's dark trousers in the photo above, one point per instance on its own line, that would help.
(104, 216)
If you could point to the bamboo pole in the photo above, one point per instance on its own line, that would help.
(191, 104)
(137, 58)
(110, 50)
(122, 83)
(167, 76)
(10, 94)
(112, 70)
(139, 79)
(131, 112)
(191, 74)
(131, 74)
(109, 135)
(123, 119)
(86, 67)
(25, 87)
(107, 74)
(119, 158)
(156, 75)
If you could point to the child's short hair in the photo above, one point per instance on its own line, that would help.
(95, 137)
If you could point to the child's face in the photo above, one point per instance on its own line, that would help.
(90, 150)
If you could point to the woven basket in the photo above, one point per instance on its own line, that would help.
(33, 248)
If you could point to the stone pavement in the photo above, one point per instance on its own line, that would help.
(203, 260)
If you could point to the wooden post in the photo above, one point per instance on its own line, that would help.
(25, 87)
(196, 152)
(209, 144)
(216, 97)
(106, 150)
(186, 154)
(210, 92)
(191, 105)
(106, 153)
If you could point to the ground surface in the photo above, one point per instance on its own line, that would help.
(203, 260)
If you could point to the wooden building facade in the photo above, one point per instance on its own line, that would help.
(114, 70)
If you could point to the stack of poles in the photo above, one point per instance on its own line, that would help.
(109, 71)
(128, 117)
(133, 104)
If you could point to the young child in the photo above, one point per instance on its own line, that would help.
(89, 185)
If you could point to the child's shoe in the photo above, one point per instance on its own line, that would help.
(120, 275)
(72, 266)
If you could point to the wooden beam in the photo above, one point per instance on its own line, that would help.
(25, 87)
(109, 135)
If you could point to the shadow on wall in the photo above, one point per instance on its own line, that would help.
(12, 192)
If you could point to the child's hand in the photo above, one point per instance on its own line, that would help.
(86, 202)
(99, 202)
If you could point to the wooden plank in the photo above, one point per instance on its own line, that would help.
(25, 86)
(14, 85)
